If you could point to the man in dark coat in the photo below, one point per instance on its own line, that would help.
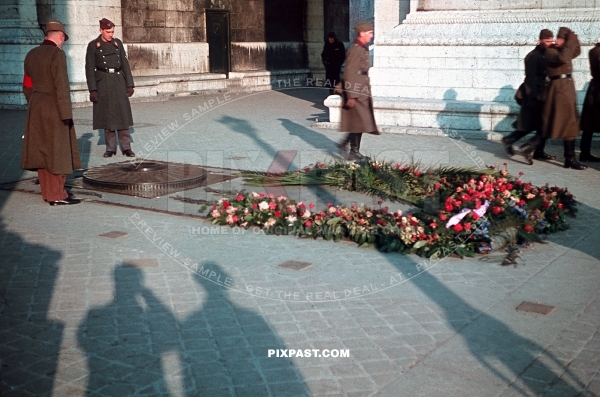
(110, 83)
(590, 116)
(559, 117)
(333, 56)
(50, 144)
(357, 112)
(532, 101)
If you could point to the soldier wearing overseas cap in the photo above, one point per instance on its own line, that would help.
(110, 83)
(559, 116)
(50, 143)
(357, 112)
(532, 101)
(590, 116)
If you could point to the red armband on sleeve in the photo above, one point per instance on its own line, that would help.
(27, 82)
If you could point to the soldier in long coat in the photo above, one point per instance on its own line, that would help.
(559, 117)
(357, 112)
(532, 101)
(110, 83)
(590, 116)
(50, 143)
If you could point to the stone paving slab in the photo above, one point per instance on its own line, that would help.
(83, 314)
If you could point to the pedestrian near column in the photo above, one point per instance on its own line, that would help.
(50, 143)
(590, 116)
(333, 56)
(110, 83)
(532, 102)
(357, 111)
(559, 117)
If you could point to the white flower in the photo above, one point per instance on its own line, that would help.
(270, 222)
(332, 209)
(291, 219)
(255, 195)
(246, 211)
(231, 210)
(281, 198)
(306, 214)
(263, 206)
(398, 213)
(229, 219)
(215, 214)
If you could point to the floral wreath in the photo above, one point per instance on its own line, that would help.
(458, 211)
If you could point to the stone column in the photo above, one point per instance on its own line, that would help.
(314, 36)
(19, 32)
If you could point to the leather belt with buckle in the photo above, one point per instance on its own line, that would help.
(108, 70)
(560, 76)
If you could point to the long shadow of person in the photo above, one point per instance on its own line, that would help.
(309, 136)
(121, 340)
(30, 339)
(226, 348)
(512, 359)
(458, 115)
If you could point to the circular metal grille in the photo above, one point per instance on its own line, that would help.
(145, 177)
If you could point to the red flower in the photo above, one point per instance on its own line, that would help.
(437, 186)
(474, 216)
(458, 203)
(239, 197)
(433, 225)
(272, 205)
(413, 221)
(528, 228)
(307, 169)
(497, 210)
(443, 217)
(546, 204)
(298, 171)
(554, 216)
(417, 173)
(277, 214)
(468, 226)
(329, 205)
(226, 204)
(307, 223)
(521, 173)
(261, 194)
(235, 218)
(509, 186)
(311, 206)
(458, 228)
(214, 207)
(398, 165)
(435, 236)
(560, 206)
(379, 202)
(521, 202)
(254, 206)
(423, 236)
(449, 207)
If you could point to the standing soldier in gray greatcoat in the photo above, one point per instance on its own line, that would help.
(110, 83)
(50, 143)
(357, 112)
(532, 102)
(590, 116)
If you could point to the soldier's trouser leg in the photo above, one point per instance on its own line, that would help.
(514, 136)
(355, 141)
(586, 147)
(124, 139)
(53, 186)
(570, 160)
(110, 139)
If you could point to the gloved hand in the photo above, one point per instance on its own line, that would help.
(68, 122)
(94, 96)
(129, 91)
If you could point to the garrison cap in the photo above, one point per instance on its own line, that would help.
(106, 24)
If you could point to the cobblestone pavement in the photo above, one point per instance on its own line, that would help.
(169, 305)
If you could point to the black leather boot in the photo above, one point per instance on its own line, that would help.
(528, 148)
(570, 159)
(586, 146)
(355, 153)
(539, 153)
(511, 138)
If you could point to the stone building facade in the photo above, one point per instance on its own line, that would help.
(169, 43)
